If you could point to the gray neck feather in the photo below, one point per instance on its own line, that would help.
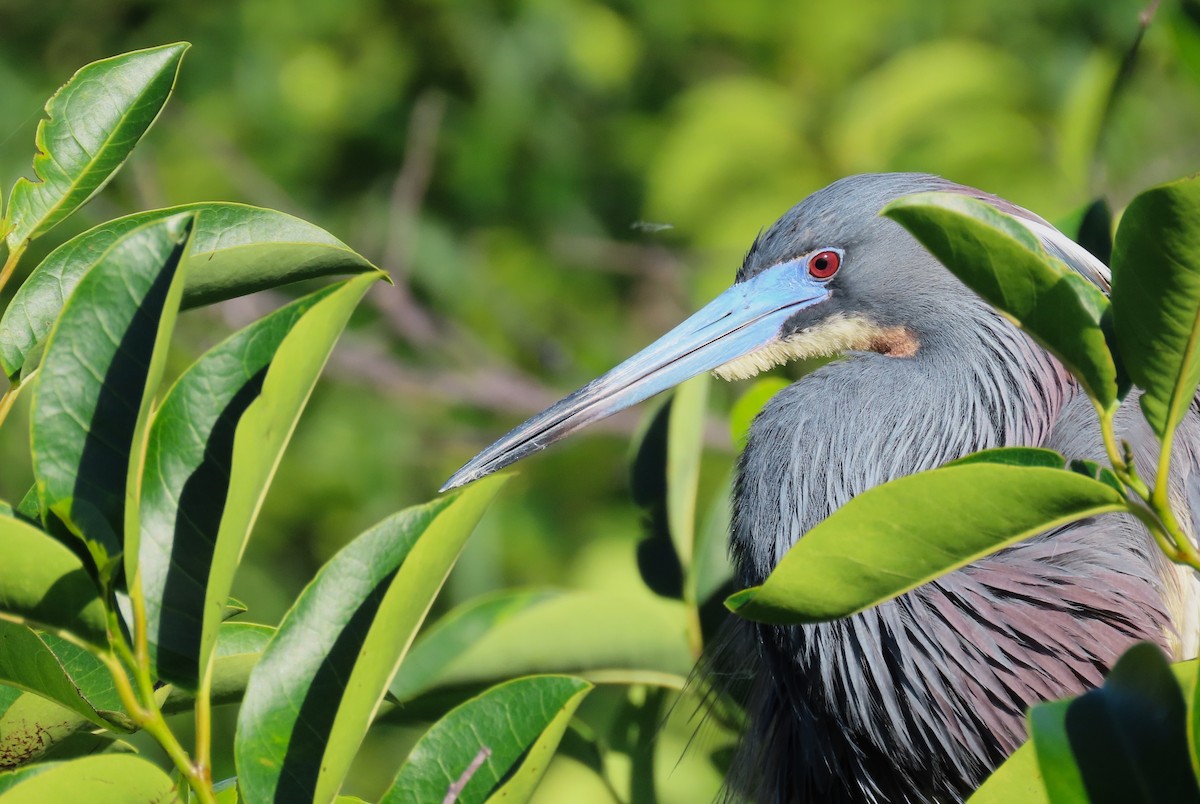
(926, 693)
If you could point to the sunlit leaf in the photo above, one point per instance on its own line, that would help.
(685, 447)
(602, 637)
(1015, 456)
(239, 647)
(31, 726)
(102, 779)
(895, 537)
(235, 249)
(102, 364)
(495, 745)
(455, 633)
(1056, 763)
(60, 671)
(44, 583)
(93, 123)
(187, 480)
(711, 567)
(1003, 262)
(261, 435)
(1018, 779)
(1156, 299)
(324, 674)
(749, 405)
(1191, 691)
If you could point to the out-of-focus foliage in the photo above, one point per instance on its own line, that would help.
(552, 184)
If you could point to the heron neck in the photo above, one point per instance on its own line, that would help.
(870, 418)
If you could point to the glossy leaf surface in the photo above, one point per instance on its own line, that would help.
(321, 680)
(186, 482)
(1156, 299)
(65, 673)
(1018, 779)
(93, 123)
(236, 249)
(43, 583)
(895, 537)
(239, 648)
(102, 779)
(262, 433)
(32, 726)
(1003, 262)
(495, 745)
(97, 381)
(685, 445)
(603, 637)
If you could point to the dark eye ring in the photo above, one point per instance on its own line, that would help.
(824, 264)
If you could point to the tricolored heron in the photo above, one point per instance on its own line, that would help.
(918, 698)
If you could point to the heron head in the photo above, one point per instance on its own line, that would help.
(828, 277)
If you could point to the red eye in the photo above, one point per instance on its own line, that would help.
(824, 264)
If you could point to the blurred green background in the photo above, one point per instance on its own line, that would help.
(554, 183)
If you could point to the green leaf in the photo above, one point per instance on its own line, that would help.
(261, 435)
(1156, 299)
(43, 583)
(101, 779)
(1129, 736)
(658, 559)
(187, 480)
(1060, 776)
(1191, 691)
(895, 537)
(31, 726)
(1018, 779)
(603, 637)
(749, 405)
(1014, 456)
(685, 447)
(493, 747)
(711, 568)
(239, 648)
(1121, 742)
(454, 634)
(1003, 262)
(92, 125)
(323, 676)
(102, 363)
(1098, 472)
(235, 250)
(62, 672)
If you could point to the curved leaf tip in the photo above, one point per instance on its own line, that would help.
(92, 124)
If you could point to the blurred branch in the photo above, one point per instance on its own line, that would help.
(405, 316)
(489, 384)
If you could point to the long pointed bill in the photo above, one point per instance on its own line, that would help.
(743, 319)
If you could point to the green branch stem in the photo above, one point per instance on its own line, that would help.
(141, 703)
(10, 264)
(1153, 508)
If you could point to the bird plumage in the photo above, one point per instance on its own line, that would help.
(919, 698)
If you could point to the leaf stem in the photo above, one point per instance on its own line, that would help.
(1117, 460)
(141, 703)
(6, 401)
(1155, 508)
(1152, 523)
(10, 264)
(203, 711)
